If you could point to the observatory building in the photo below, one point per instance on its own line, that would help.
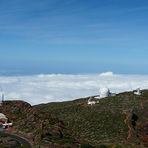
(104, 92)
(3, 118)
(92, 101)
(4, 122)
(137, 92)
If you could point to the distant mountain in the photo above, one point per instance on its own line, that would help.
(115, 122)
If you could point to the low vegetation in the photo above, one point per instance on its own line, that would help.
(115, 122)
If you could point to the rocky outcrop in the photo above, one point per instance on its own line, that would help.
(39, 127)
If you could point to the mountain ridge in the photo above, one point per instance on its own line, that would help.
(118, 121)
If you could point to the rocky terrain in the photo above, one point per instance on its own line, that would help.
(7, 142)
(115, 122)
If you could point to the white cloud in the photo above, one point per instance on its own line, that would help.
(109, 73)
(58, 87)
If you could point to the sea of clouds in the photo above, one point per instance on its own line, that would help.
(44, 88)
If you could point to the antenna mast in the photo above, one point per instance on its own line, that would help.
(3, 97)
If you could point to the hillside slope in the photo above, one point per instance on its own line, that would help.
(119, 121)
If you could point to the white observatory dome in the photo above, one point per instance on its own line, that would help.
(104, 92)
(2, 116)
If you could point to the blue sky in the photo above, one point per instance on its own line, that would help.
(73, 36)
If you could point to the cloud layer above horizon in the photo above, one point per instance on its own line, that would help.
(43, 88)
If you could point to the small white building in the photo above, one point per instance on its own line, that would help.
(91, 101)
(104, 92)
(4, 122)
(3, 118)
(137, 92)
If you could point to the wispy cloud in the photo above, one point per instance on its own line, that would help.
(58, 87)
(69, 22)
